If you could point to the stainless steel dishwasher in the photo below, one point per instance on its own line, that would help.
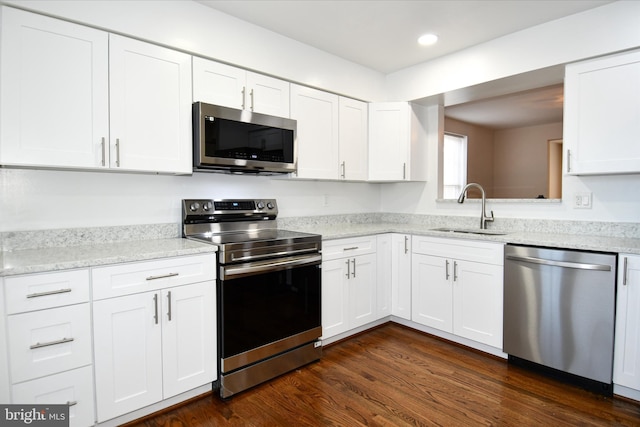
(559, 312)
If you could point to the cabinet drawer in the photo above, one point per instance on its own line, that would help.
(469, 250)
(39, 291)
(126, 279)
(74, 388)
(354, 246)
(49, 341)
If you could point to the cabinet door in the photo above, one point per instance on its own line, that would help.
(54, 85)
(73, 388)
(150, 93)
(384, 274)
(389, 141)
(335, 297)
(188, 337)
(317, 115)
(218, 84)
(431, 293)
(362, 290)
(401, 275)
(602, 115)
(626, 364)
(128, 358)
(267, 95)
(477, 296)
(353, 139)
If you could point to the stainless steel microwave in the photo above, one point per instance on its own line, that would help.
(241, 141)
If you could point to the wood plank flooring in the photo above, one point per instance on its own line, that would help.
(394, 376)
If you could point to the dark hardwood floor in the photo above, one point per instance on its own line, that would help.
(394, 376)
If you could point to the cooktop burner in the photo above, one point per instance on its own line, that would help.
(243, 229)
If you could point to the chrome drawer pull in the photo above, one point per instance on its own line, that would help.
(353, 248)
(44, 294)
(163, 276)
(47, 344)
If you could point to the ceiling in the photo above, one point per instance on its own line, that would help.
(382, 35)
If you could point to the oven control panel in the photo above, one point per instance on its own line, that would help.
(217, 210)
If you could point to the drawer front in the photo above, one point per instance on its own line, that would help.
(354, 246)
(468, 250)
(74, 388)
(131, 278)
(49, 341)
(40, 291)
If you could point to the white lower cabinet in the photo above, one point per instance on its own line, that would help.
(49, 341)
(348, 284)
(626, 363)
(152, 345)
(457, 287)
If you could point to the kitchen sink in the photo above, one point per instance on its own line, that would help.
(470, 231)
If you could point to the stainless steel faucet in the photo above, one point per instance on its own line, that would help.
(483, 215)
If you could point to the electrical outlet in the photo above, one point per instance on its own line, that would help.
(583, 201)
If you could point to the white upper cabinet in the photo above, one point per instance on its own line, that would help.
(54, 85)
(316, 113)
(221, 84)
(602, 115)
(150, 89)
(353, 140)
(397, 142)
(76, 97)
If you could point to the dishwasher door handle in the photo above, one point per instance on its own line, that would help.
(565, 264)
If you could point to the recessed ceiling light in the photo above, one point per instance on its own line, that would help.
(427, 39)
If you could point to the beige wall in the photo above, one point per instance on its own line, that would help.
(520, 158)
(480, 154)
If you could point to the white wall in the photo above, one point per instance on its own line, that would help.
(42, 199)
(609, 28)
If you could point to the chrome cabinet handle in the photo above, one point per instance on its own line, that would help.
(568, 161)
(47, 344)
(104, 152)
(625, 271)
(117, 152)
(455, 271)
(162, 276)
(404, 171)
(348, 269)
(343, 170)
(446, 269)
(155, 303)
(406, 244)
(169, 303)
(251, 97)
(244, 90)
(44, 294)
(352, 248)
(353, 274)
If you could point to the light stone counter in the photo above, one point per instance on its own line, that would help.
(62, 258)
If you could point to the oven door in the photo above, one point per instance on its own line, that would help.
(268, 307)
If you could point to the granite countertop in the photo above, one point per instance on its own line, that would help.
(82, 248)
(554, 240)
(79, 256)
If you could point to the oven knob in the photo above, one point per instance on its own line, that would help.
(206, 206)
(194, 206)
(260, 205)
(270, 205)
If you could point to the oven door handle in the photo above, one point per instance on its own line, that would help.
(252, 268)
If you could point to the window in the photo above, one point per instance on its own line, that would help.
(454, 165)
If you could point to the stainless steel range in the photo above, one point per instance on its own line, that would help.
(268, 289)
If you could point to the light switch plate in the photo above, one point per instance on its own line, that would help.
(583, 200)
